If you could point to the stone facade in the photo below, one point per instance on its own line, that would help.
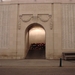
(57, 19)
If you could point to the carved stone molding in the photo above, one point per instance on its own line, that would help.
(44, 17)
(35, 18)
(19, 23)
(51, 23)
(26, 17)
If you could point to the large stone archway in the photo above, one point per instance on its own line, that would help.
(35, 41)
(44, 19)
(15, 18)
(22, 46)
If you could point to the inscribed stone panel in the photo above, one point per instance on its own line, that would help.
(68, 26)
(8, 24)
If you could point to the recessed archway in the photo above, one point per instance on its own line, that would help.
(35, 41)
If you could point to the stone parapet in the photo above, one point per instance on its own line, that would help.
(37, 1)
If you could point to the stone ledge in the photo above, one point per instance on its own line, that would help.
(38, 1)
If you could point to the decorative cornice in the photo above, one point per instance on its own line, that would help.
(39, 1)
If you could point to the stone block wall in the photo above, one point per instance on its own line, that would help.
(8, 30)
(60, 28)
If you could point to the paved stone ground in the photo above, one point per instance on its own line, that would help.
(36, 54)
(36, 67)
(35, 62)
(37, 70)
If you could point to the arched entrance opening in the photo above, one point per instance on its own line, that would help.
(35, 41)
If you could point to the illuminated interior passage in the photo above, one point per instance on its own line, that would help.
(36, 42)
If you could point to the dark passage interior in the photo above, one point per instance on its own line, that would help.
(36, 51)
(36, 39)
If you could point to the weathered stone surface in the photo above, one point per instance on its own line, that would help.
(56, 19)
(68, 26)
(40, 1)
(8, 29)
